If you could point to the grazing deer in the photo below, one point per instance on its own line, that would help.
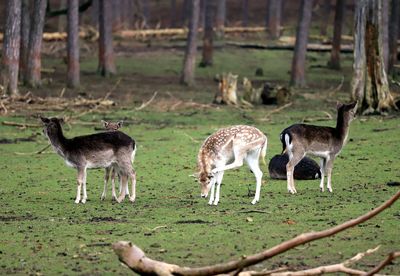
(230, 146)
(111, 126)
(306, 169)
(324, 142)
(101, 150)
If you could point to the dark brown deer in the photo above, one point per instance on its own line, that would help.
(306, 169)
(101, 150)
(227, 149)
(324, 142)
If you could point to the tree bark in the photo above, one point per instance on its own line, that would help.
(191, 45)
(25, 28)
(172, 14)
(369, 85)
(207, 59)
(299, 57)
(106, 52)
(95, 13)
(61, 18)
(385, 33)
(33, 77)
(325, 11)
(274, 18)
(185, 11)
(221, 17)
(393, 33)
(11, 46)
(334, 62)
(73, 44)
(245, 13)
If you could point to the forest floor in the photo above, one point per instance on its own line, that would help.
(45, 233)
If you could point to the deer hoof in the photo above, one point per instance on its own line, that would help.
(215, 203)
(77, 200)
(330, 190)
(132, 199)
(83, 200)
(254, 201)
(119, 200)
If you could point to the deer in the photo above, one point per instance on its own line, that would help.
(324, 142)
(101, 150)
(111, 126)
(227, 149)
(306, 169)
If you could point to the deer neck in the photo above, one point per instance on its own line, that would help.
(205, 162)
(342, 128)
(58, 141)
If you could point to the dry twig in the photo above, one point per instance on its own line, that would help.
(148, 102)
(276, 110)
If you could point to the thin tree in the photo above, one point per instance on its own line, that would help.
(220, 17)
(334, 62)
(25, 28)
(245, 13)
(274, 18)
(325, 12)
(393, 32)
(300, 49)
(172, 14)
(106, 51)
(385, 33)
(185, 11)
(207, 58)
(73, 44)
(370, 84)
(187, 76)
(11, 46)
(61, 18)
(32, 75)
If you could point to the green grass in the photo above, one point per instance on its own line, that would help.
(44, 232)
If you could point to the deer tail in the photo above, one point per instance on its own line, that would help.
(286, 139)
(264, 151)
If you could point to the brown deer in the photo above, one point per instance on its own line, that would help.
(226, 149)
(101, 150)
(324, 142)
(111, 126)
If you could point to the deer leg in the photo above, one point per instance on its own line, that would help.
(294, 159)
(106, 177)
(328, 169)
(133, 179)
(124, 183)
(252, 160)
(323, 165)
(212, 183)
(114, 195)
(218, 177)
(238, 162)
(79, 182)
(84, 187)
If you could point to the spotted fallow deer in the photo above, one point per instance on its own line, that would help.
(226, 149)
(100, 150)
(325, 142)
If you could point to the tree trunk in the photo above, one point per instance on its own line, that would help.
(274, 18)
(369, 85)
(208, 34)
(221, 17)
(334, 63)
(185, 11)
(172, 14)
(25, 28)
(73, 44)
(11, 45)
(61, 18)
(95, 13)
(325, 11)
(106, 52)
(300, 49)
(191, 45)
(385, 33)
(245, 13)
(116, 15)
(32, 77)
(393, 32)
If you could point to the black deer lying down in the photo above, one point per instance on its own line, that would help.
(324, 142)
(306, 169)
(101, 150)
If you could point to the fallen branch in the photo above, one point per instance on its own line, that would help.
(23, 125)
(136, 260)
(112, 89)
(147, 103)
(276, 110)
(384, 263)
(35, 152)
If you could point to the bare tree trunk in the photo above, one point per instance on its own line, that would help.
(274, 18)
(61, 18)
(325, 11)
(191, 45)
(172, 14)
(185, 11)
(385, 33)
(369, 85)
(116, 15)
(73, 44)
(106, 52)
(334, 63)
(25, 28)
(393, 32)
(33, 77)
(95, 13)
(11, 46)
(245, 13)
(300, 50)
(208, 34)
(221, 17)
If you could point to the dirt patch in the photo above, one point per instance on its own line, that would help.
(194, 221)
(17, 218)
(106, 219)
(16, 140)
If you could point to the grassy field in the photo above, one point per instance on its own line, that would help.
(45, 233)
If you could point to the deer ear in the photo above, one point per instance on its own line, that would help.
(338, 105)
(61, 120)
(44, 120)
(130, 244)
(119, 124)
(105, 124)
